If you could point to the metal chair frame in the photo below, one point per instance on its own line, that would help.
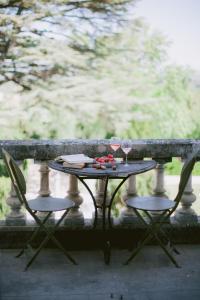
(154, 225)
(19, 184)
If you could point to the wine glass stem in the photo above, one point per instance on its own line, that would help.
(126, 160)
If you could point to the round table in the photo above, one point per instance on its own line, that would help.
(122, 172)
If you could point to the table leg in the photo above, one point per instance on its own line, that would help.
(107, 246)
(107, 252)
(105, 214)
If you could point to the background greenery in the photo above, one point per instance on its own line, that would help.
(89, 69)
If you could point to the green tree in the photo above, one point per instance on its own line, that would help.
(46, 52)
(66, 75)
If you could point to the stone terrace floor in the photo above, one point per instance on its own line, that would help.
(150, 276)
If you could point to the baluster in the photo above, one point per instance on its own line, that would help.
(100, 185)
(186, 214)
(44, 179)
(159, 189)
(75, 216)
(16, 216)
(127, 215)
(44, 191)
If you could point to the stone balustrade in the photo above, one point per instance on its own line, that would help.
(44, 150)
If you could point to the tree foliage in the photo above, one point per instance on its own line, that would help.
(87, 69)
(30, 30)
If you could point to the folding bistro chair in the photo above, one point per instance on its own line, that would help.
(48, 205)
(165, 208)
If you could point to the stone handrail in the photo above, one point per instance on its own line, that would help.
(41, 151)
(49, 149)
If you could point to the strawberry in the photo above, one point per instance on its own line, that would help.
(105, 159)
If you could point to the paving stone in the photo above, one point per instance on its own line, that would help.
(150, 276)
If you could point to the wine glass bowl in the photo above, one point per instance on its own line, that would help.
(126, 148)
(114, 143)
(115, 147)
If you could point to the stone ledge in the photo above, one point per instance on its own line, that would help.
(15, 237)
(49, 149)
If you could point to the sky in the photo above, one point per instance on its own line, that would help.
(179, 20)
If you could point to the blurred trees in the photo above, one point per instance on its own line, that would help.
(47, 47)
(139, 95)
(88, 69)
(41, 38)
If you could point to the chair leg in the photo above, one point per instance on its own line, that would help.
(20, 253)
(172, 244)
(169, 242)
(166, 251)
(153, 229)
(44, 242)
(49, 236)
(142, 242)
(63, 250)
(175, 249)
(37, 252)
(53, 238)
(145, 240)
(33, 236)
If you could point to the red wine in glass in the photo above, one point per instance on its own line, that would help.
(114, 143)
(115, 146)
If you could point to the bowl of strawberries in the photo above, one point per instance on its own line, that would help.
(104, 162)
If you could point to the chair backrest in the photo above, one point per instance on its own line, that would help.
(185, 175)
(16, 176)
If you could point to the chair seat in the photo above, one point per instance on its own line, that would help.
(150, 203)
(48, 204)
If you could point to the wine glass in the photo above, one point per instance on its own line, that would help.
(126, 148)
(114, 143)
